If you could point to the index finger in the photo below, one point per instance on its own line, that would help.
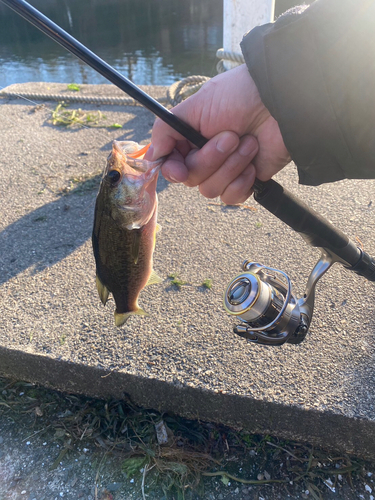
(164, 138)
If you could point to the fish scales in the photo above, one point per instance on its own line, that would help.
(117, 272)
(124, 229)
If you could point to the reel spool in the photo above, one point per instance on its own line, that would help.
(262, 299)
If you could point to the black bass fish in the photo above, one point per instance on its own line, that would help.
(124, 230)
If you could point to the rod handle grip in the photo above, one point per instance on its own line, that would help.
(314, 228)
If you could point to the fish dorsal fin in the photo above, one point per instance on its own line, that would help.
(136, 245)
(102, 290)
(153, 279)
(121, 318)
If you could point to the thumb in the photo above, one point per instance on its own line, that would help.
(164, 138)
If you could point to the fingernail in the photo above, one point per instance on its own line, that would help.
(226, 143)
(172, 179)
(247, 146)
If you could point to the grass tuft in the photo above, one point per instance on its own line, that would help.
(207, 283)
(63, 117)
(177, 281)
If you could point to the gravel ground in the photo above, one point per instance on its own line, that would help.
(48, 451)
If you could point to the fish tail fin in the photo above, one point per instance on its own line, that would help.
(154, 279)
(102, 290)
(121, 318)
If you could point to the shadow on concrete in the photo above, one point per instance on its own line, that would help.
(50, 233)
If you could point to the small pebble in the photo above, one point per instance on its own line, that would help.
(113, 487)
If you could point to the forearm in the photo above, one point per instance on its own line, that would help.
(315, 72)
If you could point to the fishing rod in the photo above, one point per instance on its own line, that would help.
(261, 297)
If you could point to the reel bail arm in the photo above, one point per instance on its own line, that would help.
(262, 297)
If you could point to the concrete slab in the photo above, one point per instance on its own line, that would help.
(184, 358)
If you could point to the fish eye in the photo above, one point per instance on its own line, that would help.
(113, 176)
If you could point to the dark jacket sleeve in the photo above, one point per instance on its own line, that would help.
(315, 71)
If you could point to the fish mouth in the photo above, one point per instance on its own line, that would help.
(130, 161)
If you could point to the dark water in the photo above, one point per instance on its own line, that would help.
(149, 41)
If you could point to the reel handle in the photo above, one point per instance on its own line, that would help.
(314, 228)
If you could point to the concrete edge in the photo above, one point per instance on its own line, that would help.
(331, 431)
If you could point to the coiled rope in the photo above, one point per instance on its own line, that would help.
(179, 91)
(227, 55)
(176, 93)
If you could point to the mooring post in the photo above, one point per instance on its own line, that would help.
(240, 16)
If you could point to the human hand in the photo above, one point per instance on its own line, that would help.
(244, 139)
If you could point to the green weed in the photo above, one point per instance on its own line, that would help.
(177, 281)
(74, 86)
(68, 118)
(207, 283)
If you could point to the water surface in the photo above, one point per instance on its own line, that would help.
(149, 41)
(152, 42)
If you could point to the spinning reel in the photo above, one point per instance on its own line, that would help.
(261, 297)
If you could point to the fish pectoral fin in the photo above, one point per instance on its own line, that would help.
(158, 227)
(102, 290)
(121, 318)
(154, 279)
(135, 245)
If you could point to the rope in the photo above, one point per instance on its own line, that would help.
(176, 93)
(179, 91)
(125, 101)
(227, 55)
